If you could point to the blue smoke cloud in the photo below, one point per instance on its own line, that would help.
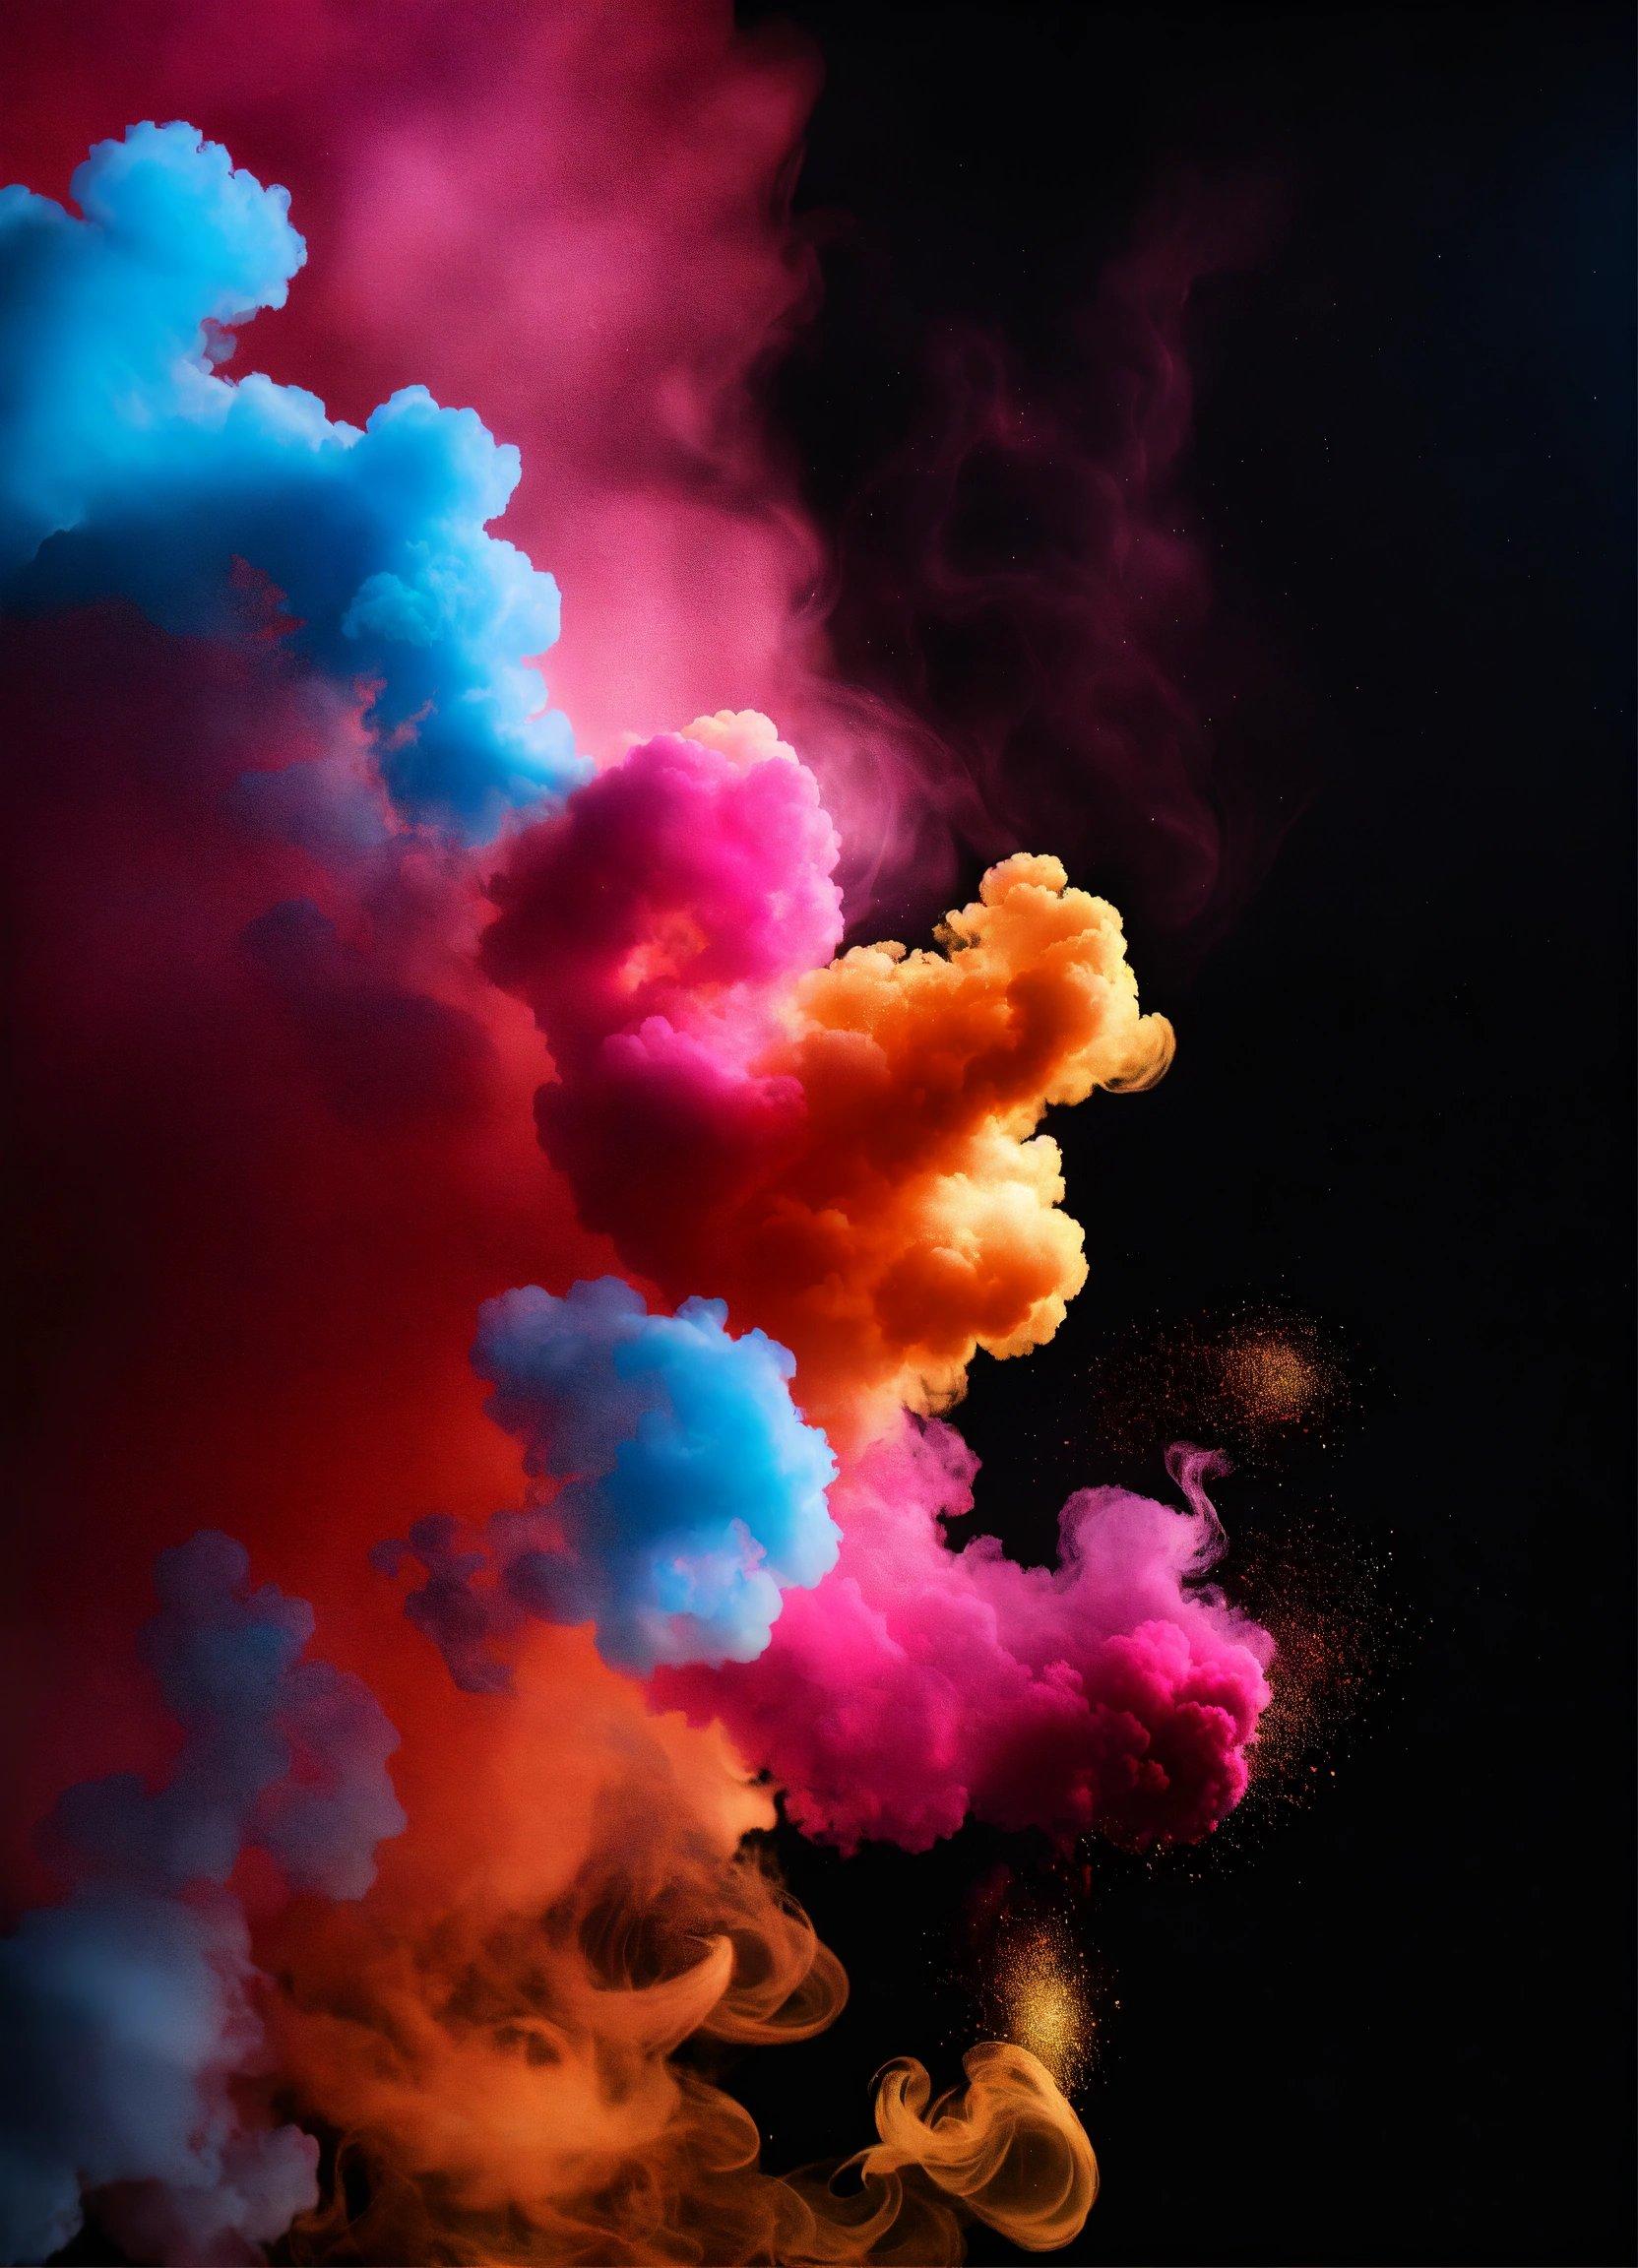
(135, 470)
(682, 1490)
(123, 2015)
(127, 2010)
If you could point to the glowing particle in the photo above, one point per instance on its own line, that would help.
(1041, 1998)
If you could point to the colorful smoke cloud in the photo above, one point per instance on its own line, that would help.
(597, 214)
(846, 1150)
(327, 910)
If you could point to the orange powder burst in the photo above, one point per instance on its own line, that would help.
(1261, 1382)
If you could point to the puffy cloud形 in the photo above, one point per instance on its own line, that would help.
(136, 468)
(845, 1150)
(677, 1492)
(920, 1685)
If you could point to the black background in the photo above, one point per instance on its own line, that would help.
(1391, 2023)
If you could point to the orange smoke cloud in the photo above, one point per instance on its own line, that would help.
(494, 2028)
(1007, 2145)
(925, 1206)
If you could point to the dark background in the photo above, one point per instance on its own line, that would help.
(1391, 2021)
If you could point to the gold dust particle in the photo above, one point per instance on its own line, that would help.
(1041, 2000)
(1338, 1632)
(1272, 1377)
(1277, 1379)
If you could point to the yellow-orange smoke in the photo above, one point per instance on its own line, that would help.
(1007, 2145)
(495, 2028)
(922, 1219)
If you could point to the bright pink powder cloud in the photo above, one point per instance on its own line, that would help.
(917, 1687)
(656, 929)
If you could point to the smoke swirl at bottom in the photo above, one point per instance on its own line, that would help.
(516, 2030)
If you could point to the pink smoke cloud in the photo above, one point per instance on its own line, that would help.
(917, 1687)
(654, 929)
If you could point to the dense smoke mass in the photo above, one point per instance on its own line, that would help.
(370, 1004)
